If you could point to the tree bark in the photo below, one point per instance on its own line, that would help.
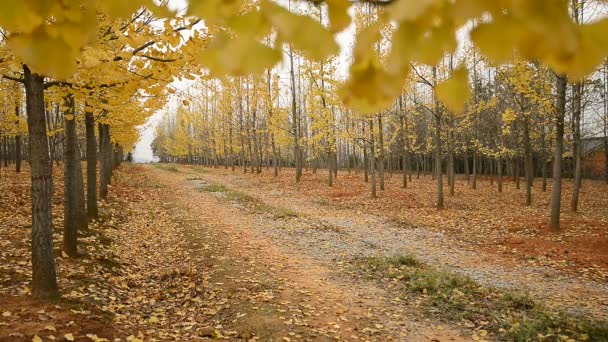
(438, 171)
(92, 209)
(105, 157)
(556, 193)
(527, 160)
(576, 145)
(17, 145)
(402, 122)
(372, 158)
(70, 219)
(44, 277)
(381, 152)
(365, 157)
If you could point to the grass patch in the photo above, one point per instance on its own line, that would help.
(213, 188)
(506, 315)
(250, 202)
(281, 213)
(194, 178)
(199, 169)
(166, 167)
(323, 201)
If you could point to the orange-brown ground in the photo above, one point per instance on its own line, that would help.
(494, 222)
(166, 262)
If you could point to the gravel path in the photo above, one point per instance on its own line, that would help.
(312, 298)
(336, 235)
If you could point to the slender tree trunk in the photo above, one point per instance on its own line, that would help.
(474, 178)
(466, 166)
(365, 158)
(105, 157)
(70, 219)
(499, 171)
(451, 171)
(438, 171)
(556, 193)
(576, 145)
(543, 160)
(516, 175)
(330, 171)
(402, 123)
(294, 122)
(44, 277)
(17, 145)
(381, 152)
(606, 120)
(528, 161)
(372, 157)
(91, 145)
(6, 154)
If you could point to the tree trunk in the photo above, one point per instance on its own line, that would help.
(330, 171)
(528, 160)
(91, 144)
(294, 122)
(516, 174)
(474, 182)
(365, 158)
(556, 193)
(543, 160)
(17, 145)
(70, 219)
(44, 277)
(499, 171)
(438, 171)
(576, 145)
(372, 157)
(380, 152)
(105, 158)
(402, 122)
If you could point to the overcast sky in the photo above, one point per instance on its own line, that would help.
(143, 151)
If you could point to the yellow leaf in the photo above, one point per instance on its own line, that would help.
(404, 47)
(69, 337)
(306, 34)
(95, 338)
(405, 10)
(226, 56)
(370, 88)
(17, 16)
(593, 48)
(338, 14)
(454, 92)
(214, 11)
(498, 50)
(45, 54)
(36, 338)
(50, 328)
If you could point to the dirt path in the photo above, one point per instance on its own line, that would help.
(304, 297)
(356, 234)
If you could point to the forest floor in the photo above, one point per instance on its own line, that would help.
(190, 253)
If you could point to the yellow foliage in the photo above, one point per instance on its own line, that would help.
(455, 92)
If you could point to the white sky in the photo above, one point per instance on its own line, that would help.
(143, 151)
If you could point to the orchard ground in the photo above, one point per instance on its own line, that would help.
(191, 253)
